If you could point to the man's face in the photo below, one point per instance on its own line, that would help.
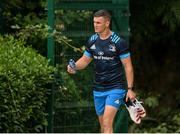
(100, 24)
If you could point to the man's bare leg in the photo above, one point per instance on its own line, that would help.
(108, 118)
(101, 123)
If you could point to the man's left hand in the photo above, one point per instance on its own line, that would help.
(130, 95)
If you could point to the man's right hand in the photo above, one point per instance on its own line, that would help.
(70, 70)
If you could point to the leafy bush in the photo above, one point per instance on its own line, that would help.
(24, 76)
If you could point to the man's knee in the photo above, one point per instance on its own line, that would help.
(107, 123)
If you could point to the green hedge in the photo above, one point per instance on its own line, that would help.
(24, 76)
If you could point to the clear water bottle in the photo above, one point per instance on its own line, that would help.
(72, 64)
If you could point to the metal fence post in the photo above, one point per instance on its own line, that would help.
(50, 55)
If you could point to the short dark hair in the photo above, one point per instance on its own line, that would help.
(103, 13)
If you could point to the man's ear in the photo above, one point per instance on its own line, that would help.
(107, 23)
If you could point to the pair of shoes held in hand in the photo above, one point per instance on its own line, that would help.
(136, 110)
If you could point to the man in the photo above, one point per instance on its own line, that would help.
(110, 53)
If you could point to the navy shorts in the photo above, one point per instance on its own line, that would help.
(113, 98)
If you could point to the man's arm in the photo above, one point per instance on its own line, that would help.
(129, 77)
(82, 63)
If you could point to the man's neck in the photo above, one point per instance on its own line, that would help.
(104, 35)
